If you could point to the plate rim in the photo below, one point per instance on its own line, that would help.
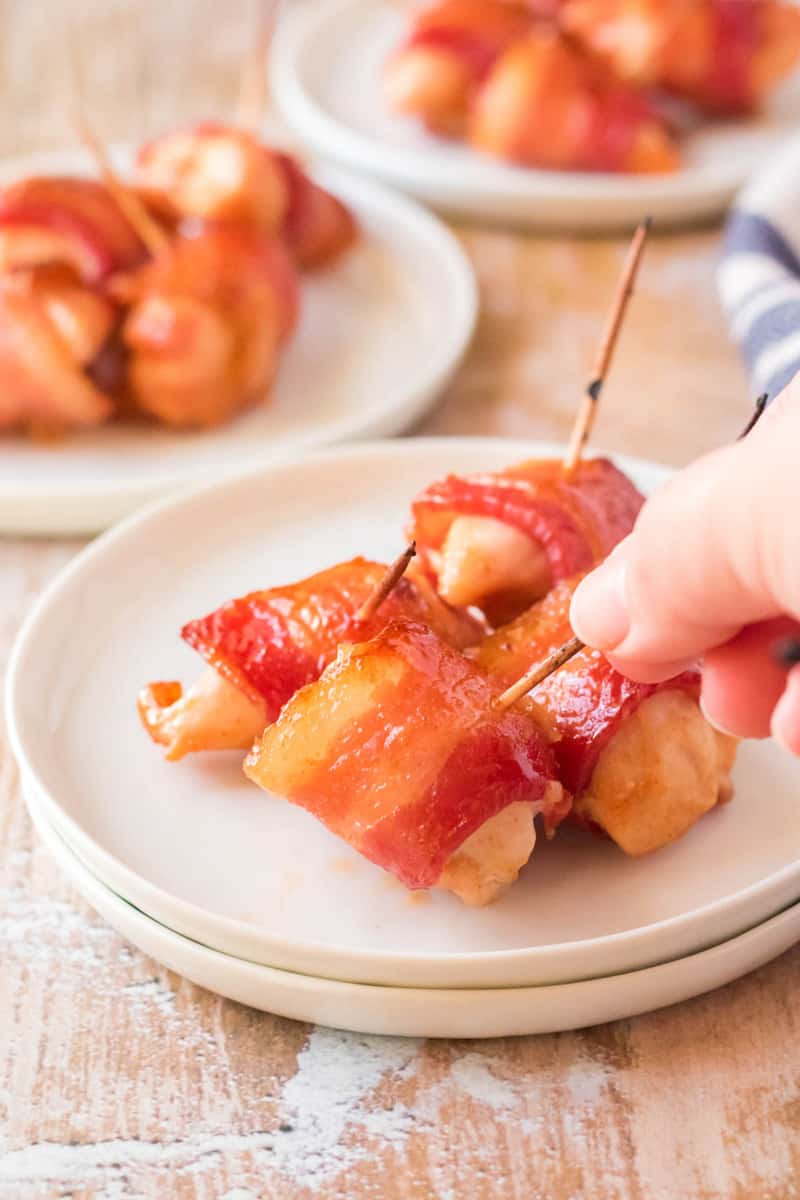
(468, 1012)
(72, 507)
(374, 963)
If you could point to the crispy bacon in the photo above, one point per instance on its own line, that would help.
(398, 749)
(74, 222)
(723, 55)
(639, 759)
(547, 104)
(574, 521)
(222, 174)
(271, 643)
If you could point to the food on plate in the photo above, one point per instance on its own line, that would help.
(501, 539)
(222, 173)
(399, 749)
(722, 55)
(171, 300)
(264, 646)
(640, 760)
(545, 103)
(582, 84)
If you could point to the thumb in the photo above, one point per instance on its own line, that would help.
(713, 550)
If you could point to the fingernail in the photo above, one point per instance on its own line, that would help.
(599, 610)
(785, 723)
(712, 720)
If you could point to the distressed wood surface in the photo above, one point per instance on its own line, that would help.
(117, 1078)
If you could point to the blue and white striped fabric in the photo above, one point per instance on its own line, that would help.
(759, 276)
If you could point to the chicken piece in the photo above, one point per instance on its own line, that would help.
(486, 563)
(399, 749)
(51, 328)
(663, 770)
(75, 222)
(545, 104)
(270, 643)
(205, 325)
(453, 44)
(212, 715)
(723, 55)
(226, 175)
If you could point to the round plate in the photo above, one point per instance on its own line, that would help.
(381, 333)
(417, 1012)
(200, 849)
(327, 77)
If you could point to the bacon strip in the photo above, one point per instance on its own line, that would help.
(398, 750)
(271, 643)
(584, 703)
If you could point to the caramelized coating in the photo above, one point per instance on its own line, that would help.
(564, 525)
(205, 324)
(266, 645)
(74, 222)
(51, 328)
(398, 750)
(640, 759)
(723, 55)
(546, 104)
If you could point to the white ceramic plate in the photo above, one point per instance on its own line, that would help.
(200, 849)
(326, 75)
(417, 1012)
(380, 335)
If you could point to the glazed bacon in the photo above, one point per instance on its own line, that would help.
(398, 750)
(436, 73)
(270, 643)
(723, 55)
(219, 173)
(640, 759)
(501, 539)
(48, 220)
(547, 104)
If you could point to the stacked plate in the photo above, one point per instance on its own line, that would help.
(251, 897)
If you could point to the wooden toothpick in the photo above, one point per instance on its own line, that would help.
(384, 586)
(539, 672)
(758, 412)
(251, 103)
(588, 409)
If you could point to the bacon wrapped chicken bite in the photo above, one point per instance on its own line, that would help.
(723, 55)
(219, 173)
(264, 646)
(399, 750)
(547, 104)
(500, 540)
(640, 760)
(204, 324)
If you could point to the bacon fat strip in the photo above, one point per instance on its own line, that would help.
(268, 644)
(437, 71)
(547, 104)
(73, 222)
(220, 173)
(500, 540)
(641, 761)
(398, 750)
(723, 55)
